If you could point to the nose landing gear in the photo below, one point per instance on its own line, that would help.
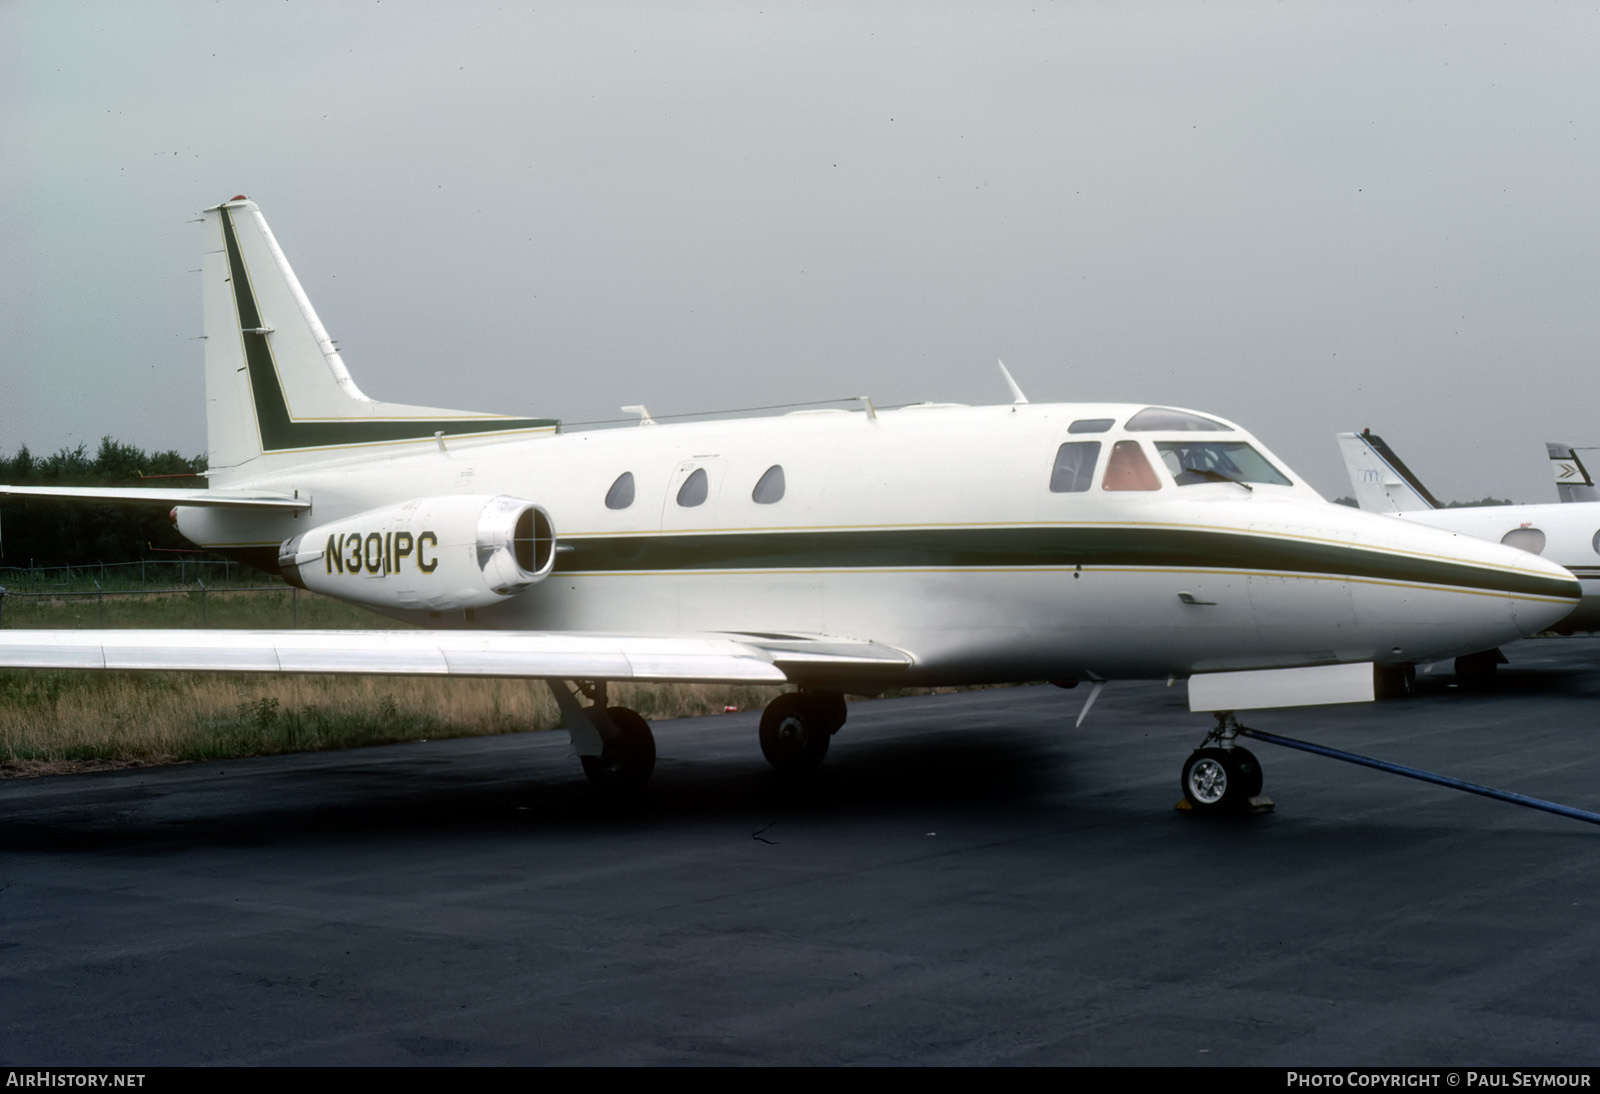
(1221, 776)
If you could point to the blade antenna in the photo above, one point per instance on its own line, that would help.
(1017, 398)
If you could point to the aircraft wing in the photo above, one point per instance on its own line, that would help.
(159, 496)
(708, 658)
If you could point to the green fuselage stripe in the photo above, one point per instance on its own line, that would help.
(280, 432)
(984, 548)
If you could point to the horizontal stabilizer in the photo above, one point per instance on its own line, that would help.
(1381, 480)
(134, 495)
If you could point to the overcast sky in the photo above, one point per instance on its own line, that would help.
(1304, 217)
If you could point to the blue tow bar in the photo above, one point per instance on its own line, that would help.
(1424, 776)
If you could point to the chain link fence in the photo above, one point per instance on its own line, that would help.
(172, 572)
(200, 605)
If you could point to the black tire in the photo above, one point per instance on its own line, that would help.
(828, 706)
(794, 733)
(628, 759)
(1217, 781)
(1475, 671)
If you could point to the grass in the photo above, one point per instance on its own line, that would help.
(52, 722)
(56, 721)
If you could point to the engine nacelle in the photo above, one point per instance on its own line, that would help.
(439, 554)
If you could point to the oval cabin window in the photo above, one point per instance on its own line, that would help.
(620, 496)
(695, 489)
(769, 488)
(1527, 539)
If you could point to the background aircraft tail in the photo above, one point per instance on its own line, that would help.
(1381, 480)
(1573, 481)
(277, 392)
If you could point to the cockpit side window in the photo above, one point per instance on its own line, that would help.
(1129, 469)
(1074, 468)
(1217, 461)
(1159, 418)
(620, 496)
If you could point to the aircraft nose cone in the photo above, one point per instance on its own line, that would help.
(1421, 594)
(1508, 593)
(1533, 616)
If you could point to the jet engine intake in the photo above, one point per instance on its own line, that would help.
(428, 554)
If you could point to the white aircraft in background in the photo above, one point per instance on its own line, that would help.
(839, 551)
(1568, 535)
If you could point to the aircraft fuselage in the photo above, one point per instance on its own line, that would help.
(935, 530)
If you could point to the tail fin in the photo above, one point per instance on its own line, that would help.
(1573, 481)
(276, 389)
(1382, 482)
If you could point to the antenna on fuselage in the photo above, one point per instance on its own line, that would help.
(641, 410)
(1017, 398)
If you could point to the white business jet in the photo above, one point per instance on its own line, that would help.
(838, 551)
(1567, 534)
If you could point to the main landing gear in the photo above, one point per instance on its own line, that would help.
(618, 751)
(797, 727)
(614, 744)
(1475, 671)
(1221, 776)
(626, 759)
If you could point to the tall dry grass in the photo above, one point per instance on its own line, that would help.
(55, 721)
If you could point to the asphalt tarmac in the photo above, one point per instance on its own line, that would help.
(969, 880)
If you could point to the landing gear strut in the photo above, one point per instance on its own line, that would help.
(1220, 776)
(797, 727)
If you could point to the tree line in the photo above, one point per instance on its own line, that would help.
(41, 532)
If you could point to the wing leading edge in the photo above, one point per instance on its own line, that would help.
(531, 655)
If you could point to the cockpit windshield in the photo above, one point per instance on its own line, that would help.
(1193, 462)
